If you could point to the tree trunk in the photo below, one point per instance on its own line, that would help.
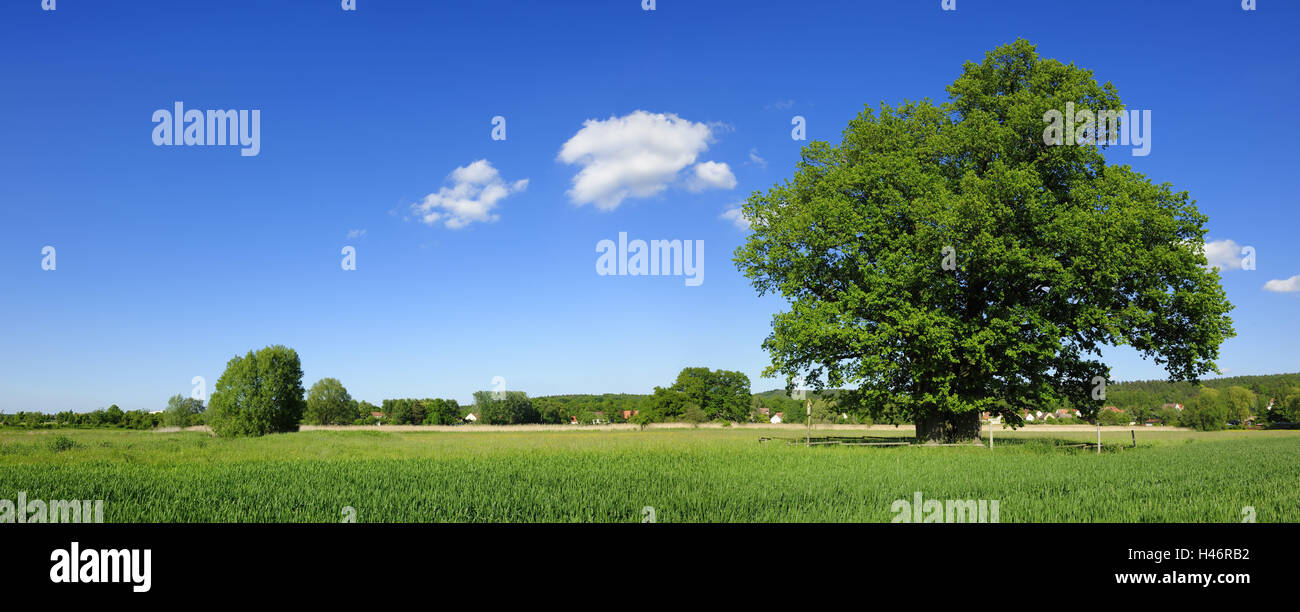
(947, 427)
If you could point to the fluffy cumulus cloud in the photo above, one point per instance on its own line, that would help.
(474, 191)
(1223, 254)
(736, 216)
(1290, 285)
(712, 175)
(639, 155)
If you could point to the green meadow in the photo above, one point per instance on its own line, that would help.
(685, 475)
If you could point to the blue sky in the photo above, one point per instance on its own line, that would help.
(173, 259)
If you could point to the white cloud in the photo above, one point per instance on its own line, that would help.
(474, 192)
(780, 105)
(356, 233)
(755, 159)
(1290, 285)
(637, 156)
(711, 175)
(1223, 254)
(737, 216)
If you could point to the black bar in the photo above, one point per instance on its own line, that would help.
(359, 558)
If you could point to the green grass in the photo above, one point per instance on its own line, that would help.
(686, 475)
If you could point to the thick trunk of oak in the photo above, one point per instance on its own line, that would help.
(948, 428)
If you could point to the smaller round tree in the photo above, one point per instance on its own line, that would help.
(1205, 411)
(259, 393)
(328, 403)
(182, 411)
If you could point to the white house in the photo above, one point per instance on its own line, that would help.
(471, 417)
(776, 418)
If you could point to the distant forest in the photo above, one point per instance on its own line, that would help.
(1154, 393)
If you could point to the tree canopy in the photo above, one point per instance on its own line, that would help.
(258, 393)
(701, 394)
(946, 260)
(422, 412)
(182, 411)
(329, 403)
(504, 408)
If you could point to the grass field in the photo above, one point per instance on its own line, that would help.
(704, 475)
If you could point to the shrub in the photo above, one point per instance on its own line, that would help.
(60, 443)
(1110, 417)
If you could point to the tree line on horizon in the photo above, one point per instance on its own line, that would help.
(261, 392)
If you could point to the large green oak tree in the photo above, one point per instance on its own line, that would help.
(951, 259)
